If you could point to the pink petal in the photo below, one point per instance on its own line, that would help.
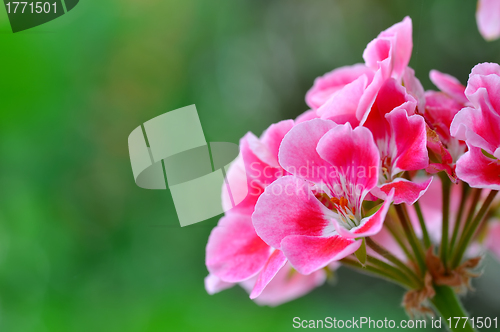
(260, 156)
(214, 284)
(369, 95)
(388, 55)
(478, 170)
(486, 68)
(370, 225)
(450, 170)
(260, 151)
(410, 137)
(288, 207)
(482, 90)
(272, 136)
(400, 38)
(415, 88)
(298, 153)
(342, 107)
(390, 96)
(243, 191)
(327, 85)
(449, 85)
(478, 128)
(288, 285)
(402, 45)
(261, 164)
(440, 111)
(273, 265)
(405, 191)
(445, 160)
(234, 251)
(354, 155)
(377, 56)
(311, 253)
(488, 18)
(306, 116)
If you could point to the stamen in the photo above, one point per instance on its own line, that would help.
(347, 214)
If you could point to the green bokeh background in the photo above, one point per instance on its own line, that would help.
(82, 248)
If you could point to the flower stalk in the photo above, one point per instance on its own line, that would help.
(458, 220)
(446, 215)
(447, 304)
(391, 258)
(423, 226)
(470, 229)
(380, 269)
(411, 236)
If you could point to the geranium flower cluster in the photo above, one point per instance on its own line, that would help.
(379, 175)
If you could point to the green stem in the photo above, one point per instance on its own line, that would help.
(398, 236)
(456, 228)
(391, 258)
(470, 229)
(427, 241)
(385, 274)
(449, 307)
(446, 216)
(411, 237)
(476, 195)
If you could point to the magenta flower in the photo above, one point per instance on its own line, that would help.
(390, 52)
(386, 56)
(449, 85)
(399, 133)
(479, 125)
(315, 217)
(441, 108)
(378, 101)
(321, 186)
(235, 254)
(488, 18)
(402, 141)
(331, 83)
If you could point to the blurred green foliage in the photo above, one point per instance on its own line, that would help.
(82, 248)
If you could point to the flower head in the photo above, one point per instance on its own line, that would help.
(478, 125)
(235, 254)
(315, 215)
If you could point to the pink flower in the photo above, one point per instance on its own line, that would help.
(386, 56)
(441, 108)
(378, 101)
(400, 135)
(391, 50)
(329, 84)
(488, 18)
(402, 142)
(449, 85)
(235, 254)
(315, 216)
(479, 125)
